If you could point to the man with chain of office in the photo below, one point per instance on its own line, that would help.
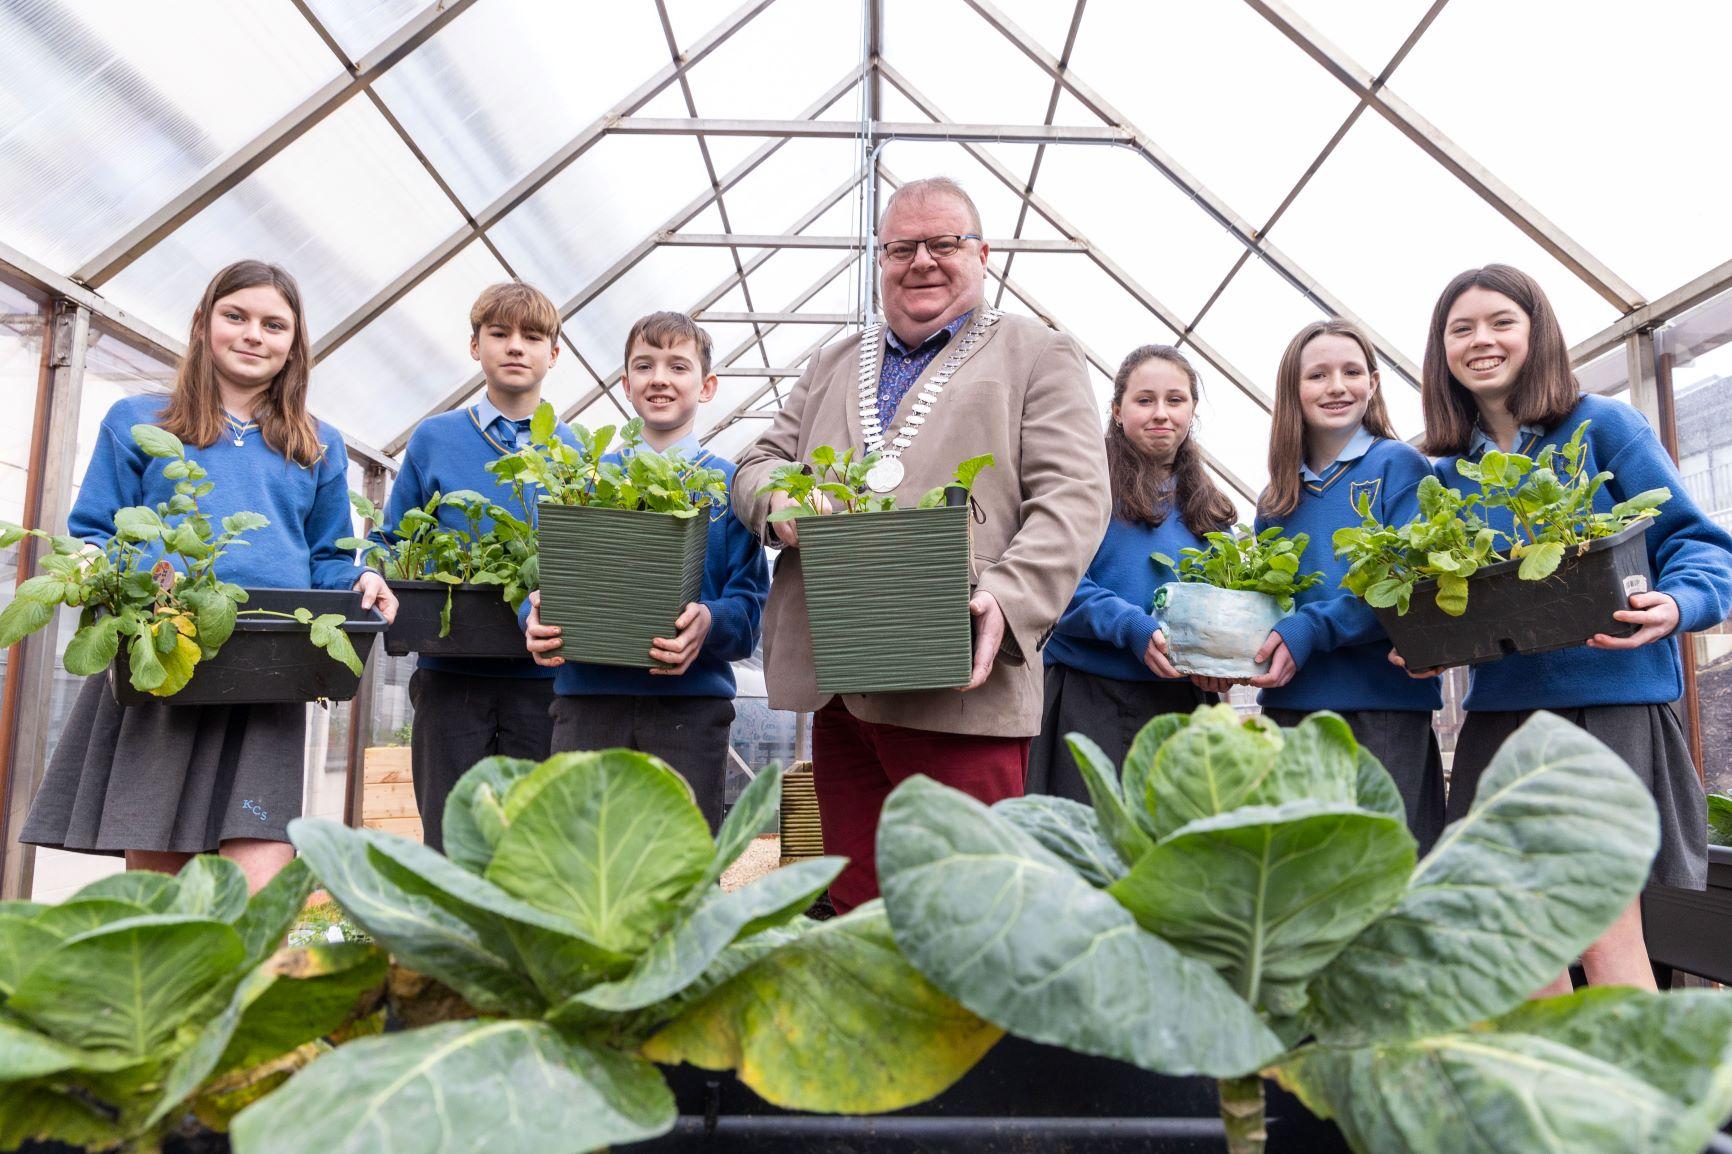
(1006, 385)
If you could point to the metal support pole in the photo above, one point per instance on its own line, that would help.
(29, 691)
(375, 486)
(1665, 422)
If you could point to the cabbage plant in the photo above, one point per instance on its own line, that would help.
(579, 921)
(1244, 901)
(146, 996)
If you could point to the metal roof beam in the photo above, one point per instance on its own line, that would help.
(1217, 209)
(1710, 284)
(249, 157)
(879, 130)
(1452, 156)
(744, 408)
(537, 178)
(782, 240)
(783, 318)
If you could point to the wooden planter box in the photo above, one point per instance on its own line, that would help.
(388, 792)
(1508, 615)
(270, 659)
(614, 580)
(887, 594)
(802, 836)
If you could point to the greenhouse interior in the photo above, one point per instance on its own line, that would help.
(492, 662)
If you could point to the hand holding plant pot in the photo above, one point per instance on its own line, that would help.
(1227, 599)
(1568, 573)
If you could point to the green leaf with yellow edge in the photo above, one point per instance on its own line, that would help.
(835, 1021)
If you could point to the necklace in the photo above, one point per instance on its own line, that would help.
(887, 472)
(239, 428)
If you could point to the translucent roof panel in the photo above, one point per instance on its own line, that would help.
(947, 51)
(345, 209)
(1384, 227)
(1609, 79)
(812, 44)
(668, 278)
(488, 103)
(1369, 31)
(359, 25)
(595, 211)
(1253, 319)
(109, 109)
(409, 359)
(1218, 88)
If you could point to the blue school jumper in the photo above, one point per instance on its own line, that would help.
(1691, 558)
(736, 584)
(1334, 637)
(1105, 629)
(307, 505)
(450, 452)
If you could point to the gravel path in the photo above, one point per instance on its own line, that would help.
(759, 859)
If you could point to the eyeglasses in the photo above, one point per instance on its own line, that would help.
(937, 247)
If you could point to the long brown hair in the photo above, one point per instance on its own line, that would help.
(1139, 482)
(1287, 423)
(195, 410)
(1544, 391)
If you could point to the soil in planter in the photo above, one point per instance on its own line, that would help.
(1508, 615)
(887, 596)
(270, 659)
(614, 580)
(482, 623)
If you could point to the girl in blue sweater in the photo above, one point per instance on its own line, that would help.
(159, 783)
(1497, 372)
(1107, 671)
(1331, 446)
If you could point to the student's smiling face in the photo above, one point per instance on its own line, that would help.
(1485, 343)
(666, 386)
(1335, 383)
(1157, 408)
(252, 331)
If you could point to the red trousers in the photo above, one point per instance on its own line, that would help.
(855, 765)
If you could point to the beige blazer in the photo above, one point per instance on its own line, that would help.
(1024, 397)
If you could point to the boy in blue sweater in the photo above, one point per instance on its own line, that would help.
(682, 710)
(467, 709)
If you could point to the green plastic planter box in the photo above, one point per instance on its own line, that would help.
(887, 594)
(615, 579)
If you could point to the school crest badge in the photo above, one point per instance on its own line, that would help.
(1365, 490)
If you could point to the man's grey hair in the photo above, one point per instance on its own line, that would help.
(919, 190)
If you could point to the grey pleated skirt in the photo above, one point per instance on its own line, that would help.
(1108, 710)
(1403, 740)
(179, 778)
(1648, 738)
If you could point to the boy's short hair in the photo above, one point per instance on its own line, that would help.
(516, 306)
(667, 329)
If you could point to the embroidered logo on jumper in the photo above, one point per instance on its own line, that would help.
(1368, 489)
(255, 809)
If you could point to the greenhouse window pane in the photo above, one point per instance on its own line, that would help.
(946, 51)
(668, 278)
(112, 109)
(345, 209)
(360, 25)
(1252, 321)
(591, 214)
(1384, 228)
(1224, 93)
(787, 184)
(410, 356)
(1638, 85)
(510, 82)
(21, 329)
(806, 47)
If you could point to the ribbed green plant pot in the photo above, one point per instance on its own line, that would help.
(887, 594)
(613, 580)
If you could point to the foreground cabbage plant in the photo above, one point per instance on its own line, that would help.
(1245, 901)
(145, 996)
(579, 919)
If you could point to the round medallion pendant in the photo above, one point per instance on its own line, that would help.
(884, 475)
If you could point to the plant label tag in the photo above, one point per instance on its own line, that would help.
(1635, 583)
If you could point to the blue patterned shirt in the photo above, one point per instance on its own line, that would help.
(902, 366)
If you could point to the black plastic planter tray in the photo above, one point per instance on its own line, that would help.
(483, 624)
(1691, 930)
(269, 659)
(1507, 615)
(1021, 1097)
(614, 580)
(887, 597)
